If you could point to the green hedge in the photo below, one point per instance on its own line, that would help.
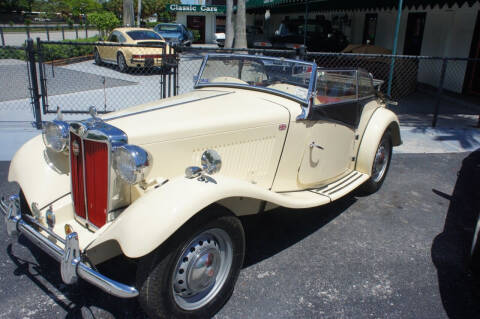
(65, 51)
(53, 51)
(12, 53)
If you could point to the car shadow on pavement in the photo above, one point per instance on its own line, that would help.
(271, 232)
(266, 235)
(78, 301)
(451, 248)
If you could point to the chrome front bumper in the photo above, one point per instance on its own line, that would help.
(70, 258)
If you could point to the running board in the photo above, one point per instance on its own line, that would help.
(343, 186)
(325, 194)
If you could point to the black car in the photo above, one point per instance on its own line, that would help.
(174, 33)
(320, 36)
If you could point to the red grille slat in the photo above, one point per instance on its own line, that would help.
(96, 180)
(89, 164)
(76, 164)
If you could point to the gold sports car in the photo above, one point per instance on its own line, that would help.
(120, 49)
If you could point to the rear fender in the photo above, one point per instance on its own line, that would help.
(382, 120)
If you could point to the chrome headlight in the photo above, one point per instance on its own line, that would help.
(132, 163)
(55, 135)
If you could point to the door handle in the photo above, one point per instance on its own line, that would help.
(313, 144)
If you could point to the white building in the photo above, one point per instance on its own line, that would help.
(427, 28)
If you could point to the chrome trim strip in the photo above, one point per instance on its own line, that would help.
(168, 105)
(90, 275)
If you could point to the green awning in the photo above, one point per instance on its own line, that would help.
(328, 5)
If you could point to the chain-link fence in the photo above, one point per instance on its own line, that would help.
(73, 76)
(15, 94)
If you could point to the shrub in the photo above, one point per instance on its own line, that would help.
(12, 53)
(104, 21)
(64, 51)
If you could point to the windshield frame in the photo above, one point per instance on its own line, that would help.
(311, 85)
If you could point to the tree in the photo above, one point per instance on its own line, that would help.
(229, 32)
(115, 6)
(104, 21)
(241, 25)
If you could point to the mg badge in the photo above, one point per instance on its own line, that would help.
(75, 148)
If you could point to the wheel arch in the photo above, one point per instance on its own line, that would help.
(158, 214)
(381, 121)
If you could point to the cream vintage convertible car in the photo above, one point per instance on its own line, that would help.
(164, 183)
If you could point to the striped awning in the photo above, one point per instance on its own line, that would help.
(352, 4)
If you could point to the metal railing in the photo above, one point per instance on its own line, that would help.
(60, 32)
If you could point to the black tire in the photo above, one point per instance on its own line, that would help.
(157, 274)
(97, 57)
(375, 181)
(122, 63)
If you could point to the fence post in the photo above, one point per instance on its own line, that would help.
(76, 32)
(86, 31)
(48, 34)
(34, 84)
(63, 32)
(3, 38)
(42, 78)
(439, 92)
(28, 32)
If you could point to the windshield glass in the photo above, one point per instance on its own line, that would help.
(168, 28)
(144, 35)
(288, 77)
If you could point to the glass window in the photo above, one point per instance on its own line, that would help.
(279, 75)
(168, 28)
(113, 38)
(144, 35)
(365, 85)
(335, 86)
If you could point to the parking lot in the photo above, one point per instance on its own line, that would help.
(389, 255)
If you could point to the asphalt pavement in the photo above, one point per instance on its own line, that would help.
(387, 255)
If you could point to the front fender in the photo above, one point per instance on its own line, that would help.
(42, 174)
(382, 120)
(155, 216)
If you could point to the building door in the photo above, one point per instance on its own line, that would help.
(472, 80)
(414, 34)
(370, 28)
(197, 25)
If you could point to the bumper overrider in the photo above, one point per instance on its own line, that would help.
(70, 258)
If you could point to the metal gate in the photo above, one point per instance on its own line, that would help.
(73, 76)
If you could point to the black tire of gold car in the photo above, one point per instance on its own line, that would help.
(156, 271)
(372, 185)
(121, 62)
(98, 59)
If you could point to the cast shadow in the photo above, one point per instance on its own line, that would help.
(451, 248)
(266, 235)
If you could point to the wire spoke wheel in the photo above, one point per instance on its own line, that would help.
(202, 269)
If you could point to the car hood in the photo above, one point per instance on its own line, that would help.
(198, 113)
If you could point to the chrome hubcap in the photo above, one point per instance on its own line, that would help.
(381, 161)
(202, 269)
